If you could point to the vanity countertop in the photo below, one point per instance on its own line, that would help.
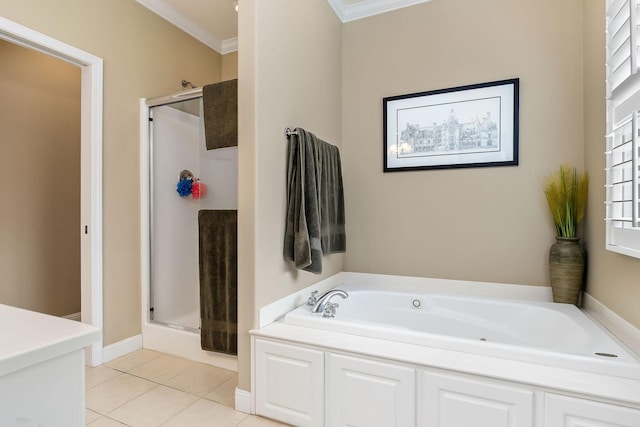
(28, 338)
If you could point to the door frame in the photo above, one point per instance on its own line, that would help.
(90, 166)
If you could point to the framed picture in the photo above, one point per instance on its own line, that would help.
(460, 127)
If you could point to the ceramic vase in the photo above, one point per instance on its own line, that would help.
(566, 265)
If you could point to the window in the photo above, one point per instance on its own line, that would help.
(623, 125)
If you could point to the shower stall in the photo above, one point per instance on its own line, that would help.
(173, 143)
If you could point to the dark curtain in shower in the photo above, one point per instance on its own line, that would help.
(218, 244)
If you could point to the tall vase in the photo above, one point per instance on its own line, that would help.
(566, 265)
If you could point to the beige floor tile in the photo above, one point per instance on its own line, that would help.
(114, 393)
(205, 413)
(105, 422)
(225, 393)
(133, 360)
(90, 416)
(200, 379)
(98, 375)
(162, 368)
(255, 421)
(154, 407)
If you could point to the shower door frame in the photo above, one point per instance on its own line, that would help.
(156, 335)
(151, 103)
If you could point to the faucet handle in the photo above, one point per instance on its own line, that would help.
(312, 299)
(330, 309)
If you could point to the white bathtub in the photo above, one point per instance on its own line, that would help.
(542, 332)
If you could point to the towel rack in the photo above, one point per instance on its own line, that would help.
(288, 132)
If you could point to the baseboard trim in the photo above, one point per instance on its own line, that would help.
(243, 401)
(623, 330)
(74, 316)
(121, 348)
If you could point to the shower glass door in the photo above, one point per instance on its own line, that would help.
(177, 140)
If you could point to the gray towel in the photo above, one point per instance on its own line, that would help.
(218, 280)
(315, 202)
(220, 103)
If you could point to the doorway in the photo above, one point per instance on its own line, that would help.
(90, 170)
(40, 176)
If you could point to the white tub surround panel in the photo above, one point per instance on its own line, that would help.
(619, 327)
(485, 375)
(42, 368)
(432, 382)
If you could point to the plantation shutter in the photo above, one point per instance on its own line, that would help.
(622, 153)
(621, 43)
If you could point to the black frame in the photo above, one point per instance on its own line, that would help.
(500, 149)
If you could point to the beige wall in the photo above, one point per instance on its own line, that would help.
(485, 224)
(299, 66)
(144, 56)
(229, 66)
(612, 278)
(289, 69)
(39, 182)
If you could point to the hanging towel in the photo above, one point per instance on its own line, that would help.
(315, 202)
(220, 103)
(218, 280)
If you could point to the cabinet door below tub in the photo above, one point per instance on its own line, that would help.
(564, 411)
(456, 400)
(368, 393)
(289, 383)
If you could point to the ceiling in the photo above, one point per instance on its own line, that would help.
(215, 22)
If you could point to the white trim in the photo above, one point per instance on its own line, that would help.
(625, 241)
(164, 9)
(345, 12)
(145, 213)
(91, 164)
(121, 348)
(229, 45)
(243, 401)
(252, 397)
(623, 330)
(364, 9)
(338, 7)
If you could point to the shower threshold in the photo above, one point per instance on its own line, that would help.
(176, 326)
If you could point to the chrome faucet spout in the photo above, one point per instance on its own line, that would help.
(320, 304)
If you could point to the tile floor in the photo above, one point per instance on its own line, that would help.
(151, 389)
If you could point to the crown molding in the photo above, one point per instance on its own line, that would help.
(339, 7)
(364, 9)
(169, 13)
(229, 45)
(346, 12)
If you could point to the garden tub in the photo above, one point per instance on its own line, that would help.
(536, 331)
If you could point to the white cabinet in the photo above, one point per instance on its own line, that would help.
(289, 383)
(305, 386)
(367, 393)
(42, 369)
(50, 393)
(450, 400)
(564, 411)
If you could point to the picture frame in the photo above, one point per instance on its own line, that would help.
(461, 127)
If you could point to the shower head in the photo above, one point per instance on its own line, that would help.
(186, 83)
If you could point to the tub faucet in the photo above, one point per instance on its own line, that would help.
(318, 307)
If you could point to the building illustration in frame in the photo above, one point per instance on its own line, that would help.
(475, 133)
